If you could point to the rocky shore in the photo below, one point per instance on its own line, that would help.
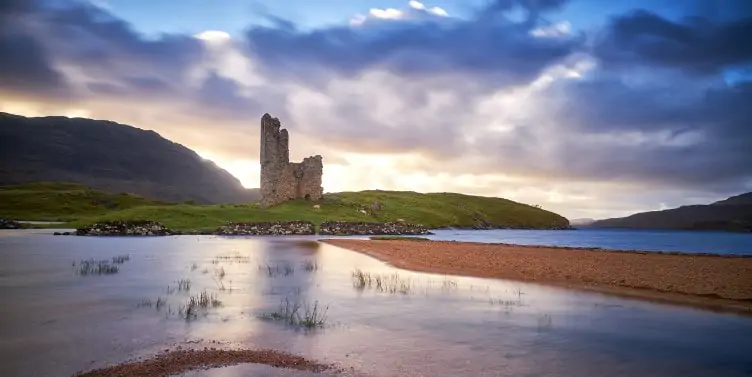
(716, 282)
(346, 228)
(10, 224)
(277, 228)
(125, 228)
(264, 228)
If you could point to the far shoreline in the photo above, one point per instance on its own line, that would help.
(715, 282)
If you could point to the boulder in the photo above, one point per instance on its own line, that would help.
(10, 224)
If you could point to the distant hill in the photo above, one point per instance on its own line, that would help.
(732, 214)
(112, 157)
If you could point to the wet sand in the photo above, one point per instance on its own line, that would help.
(710, 281)
(183, 360)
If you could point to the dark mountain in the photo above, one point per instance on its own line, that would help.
(111, 157)
(732, 214)
(736, 200)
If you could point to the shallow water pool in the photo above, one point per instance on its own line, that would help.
(56, 322)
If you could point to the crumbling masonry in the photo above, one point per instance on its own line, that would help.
(282, 180)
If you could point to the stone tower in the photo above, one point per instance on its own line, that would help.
(282, 180)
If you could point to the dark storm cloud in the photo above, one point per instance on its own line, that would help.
(698, 44)
(89, 36)
(489, 45)
(25, 66)
(610, 131)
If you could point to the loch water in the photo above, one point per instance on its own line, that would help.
(56, 322)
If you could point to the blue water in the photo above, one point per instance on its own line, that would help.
(645, 240)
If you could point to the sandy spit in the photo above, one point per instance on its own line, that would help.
(708, 281)
(179, 361)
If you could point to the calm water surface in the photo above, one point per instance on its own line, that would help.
(55, 323)
(646, 240)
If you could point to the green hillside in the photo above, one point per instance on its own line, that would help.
(431, 210)
(81, 206)
(63, 202)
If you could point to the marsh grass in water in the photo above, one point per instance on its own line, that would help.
(198, 304)
(148, 303)
(120, 259)
(388, 283)
(184, 285)
(95, 267)
(310, 266)
(285, 269)
(298, 314)
(101, 267)
(231, 258)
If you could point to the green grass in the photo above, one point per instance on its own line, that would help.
(47, 201)
(83, 206)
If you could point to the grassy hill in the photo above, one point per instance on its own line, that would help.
(83, 206)
(63, 202)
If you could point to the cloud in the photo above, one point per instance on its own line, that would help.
(697, 45)
(414, 98)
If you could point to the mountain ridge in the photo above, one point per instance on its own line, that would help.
(731, 214)
(111, 156)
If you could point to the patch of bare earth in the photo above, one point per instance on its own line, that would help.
(180, 361)
(710, 281)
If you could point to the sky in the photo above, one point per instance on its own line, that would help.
(588, 108)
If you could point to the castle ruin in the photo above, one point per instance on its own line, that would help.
(282, 180)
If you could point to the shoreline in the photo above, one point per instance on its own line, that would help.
(708, 281)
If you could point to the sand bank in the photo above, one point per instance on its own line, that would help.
(180, 361)
(709, 281)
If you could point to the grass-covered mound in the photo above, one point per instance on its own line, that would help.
(432, 210)
(63, 202)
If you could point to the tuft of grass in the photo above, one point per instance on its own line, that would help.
(310, 266)
(276, 270)
(299, 314)
(190, 310)
(398, 238)
(236, 257)
(120, 259)
(184, 285)
(95, 267)
(392, 283)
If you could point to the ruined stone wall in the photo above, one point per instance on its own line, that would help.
(282, 180)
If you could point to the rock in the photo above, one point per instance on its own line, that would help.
(125, 228)
(376, 207)
(10, 224)
(368, 228)
(277, 228)
(57, 234)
